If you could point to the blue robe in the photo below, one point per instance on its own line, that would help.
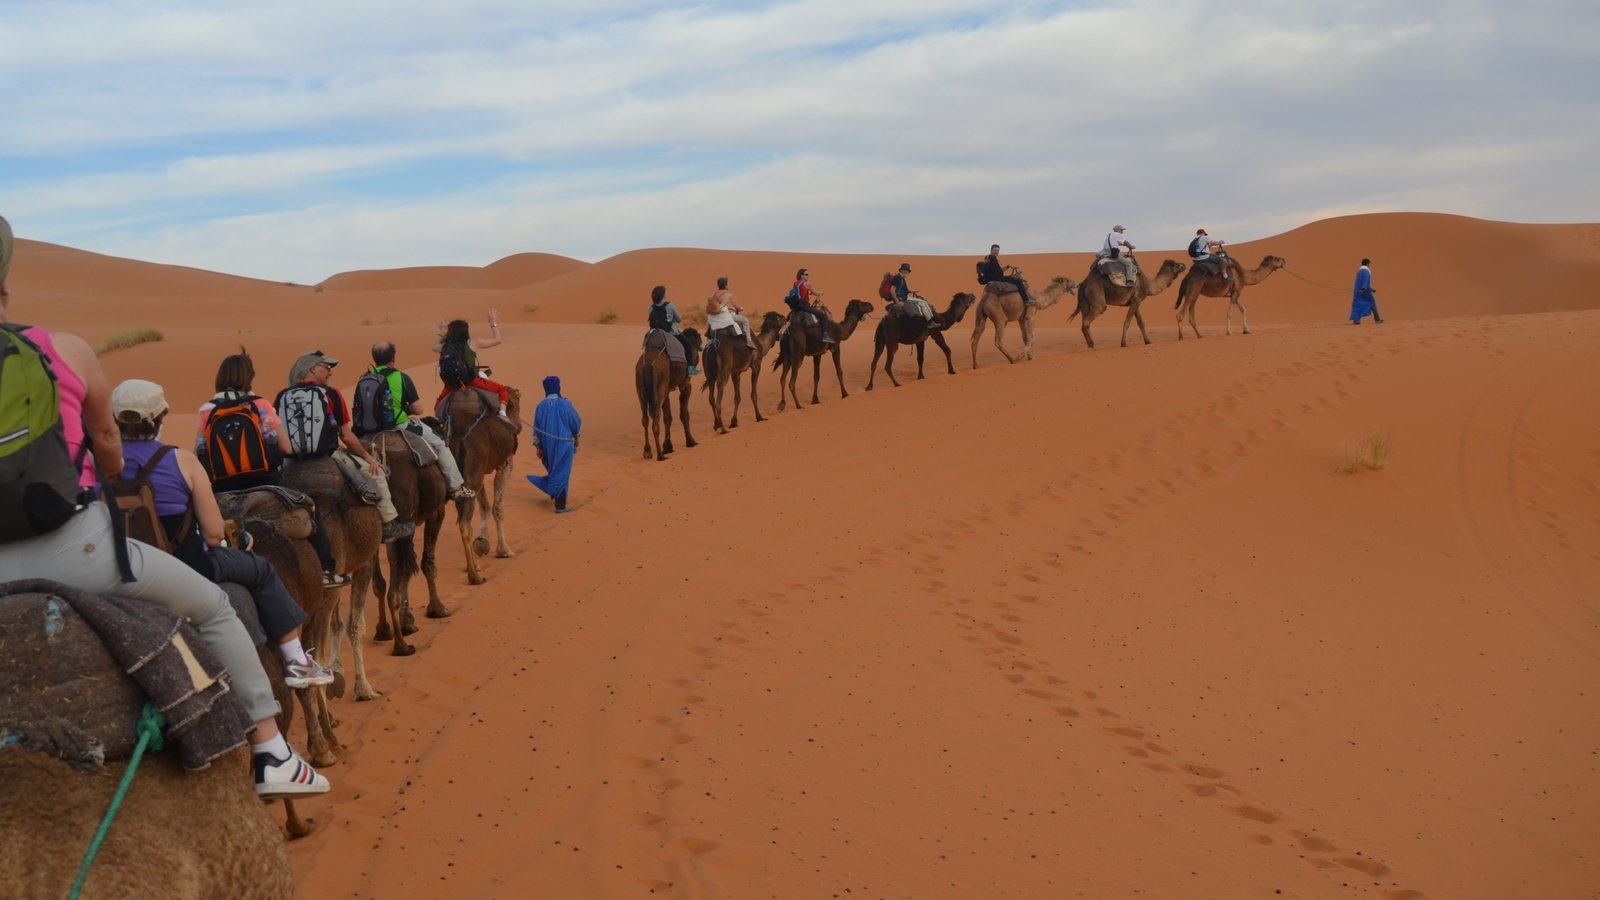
(555, 431)
(1362, 303)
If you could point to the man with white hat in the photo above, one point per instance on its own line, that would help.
(1206, 254)
(1118, 247)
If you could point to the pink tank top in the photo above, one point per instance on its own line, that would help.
(72, 394)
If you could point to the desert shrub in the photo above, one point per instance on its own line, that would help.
(133, 337)
(1371, 454)
(607, 316)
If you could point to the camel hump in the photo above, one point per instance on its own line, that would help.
(1000, 288)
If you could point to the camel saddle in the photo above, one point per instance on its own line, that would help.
(1112, 269)
(657, 339)
(490, 399)
(327, 478)
(1001, 287)
(76, 669)
(288, 510)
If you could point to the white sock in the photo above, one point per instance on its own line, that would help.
(292, 651)
(276, 745)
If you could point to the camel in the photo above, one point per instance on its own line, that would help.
(420, 495)
(655, 377)
(1199, 284)
(179, 834)
(482, 442)
(733, 357)
(1002, 308)
(262, 515)
(1097, 292)
(799, 342)
(895, 330)
(354, 531)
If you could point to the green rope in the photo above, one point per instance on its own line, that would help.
(149, 729)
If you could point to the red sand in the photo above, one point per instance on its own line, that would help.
(1105, 624)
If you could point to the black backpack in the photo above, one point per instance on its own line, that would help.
(308, 419)
(374, 405)
(453, 368)
(1197, 246)
(38, 477)
(659, 318)
(983, 277)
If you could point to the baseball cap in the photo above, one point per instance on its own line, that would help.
(303, 365)
(143, 398)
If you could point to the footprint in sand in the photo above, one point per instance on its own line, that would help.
(1256, 813)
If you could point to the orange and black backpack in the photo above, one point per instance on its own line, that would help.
(235, 444)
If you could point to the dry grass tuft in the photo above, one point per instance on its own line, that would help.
(133, 337)
(1371, 455)
(607, 316)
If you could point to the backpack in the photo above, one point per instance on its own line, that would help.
(659, 318)
(38, 477)
(374, 405)
(453, 368)
(983, 277)
(136, 502)
(886, 287)
(1197, 246)
(234, 442)
(793, 299)
(308, 419)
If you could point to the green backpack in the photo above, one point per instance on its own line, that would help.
(38, 481)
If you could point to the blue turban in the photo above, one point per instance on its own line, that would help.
(552, 384)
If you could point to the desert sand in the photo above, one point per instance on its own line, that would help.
(1108, 623)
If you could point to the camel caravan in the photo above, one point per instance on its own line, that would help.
(176, 598)
(670, 355)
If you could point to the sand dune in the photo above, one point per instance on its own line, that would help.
(1111, 623)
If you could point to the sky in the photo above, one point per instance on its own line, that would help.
(294, 140)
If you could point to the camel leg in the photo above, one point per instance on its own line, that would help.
(737, 397)
(1138, 316)
(502, 477)
(430, 564)
(755, 404)
(469, 547)
(999, 340)
(645, 423)
(355, 629)
(1243, 321)
(977, 332)
(938, 338)
(877, 353)
(683, 412)
(318, 748)
(380, 593)
(666, 423)
(888, 365)
(920, 345)
(295, 826)
(402, 567)
(1127, 320)
(1026, 324)
(816, 377)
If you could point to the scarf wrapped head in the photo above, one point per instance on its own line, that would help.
(552, 384)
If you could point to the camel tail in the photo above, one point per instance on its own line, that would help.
(708, 364)
(783, 352)
(647, 390)
(1076, 309)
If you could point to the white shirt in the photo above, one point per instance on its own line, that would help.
(1114, 239)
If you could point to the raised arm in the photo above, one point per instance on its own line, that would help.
(493, 340)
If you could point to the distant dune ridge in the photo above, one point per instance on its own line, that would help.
(1110, 623)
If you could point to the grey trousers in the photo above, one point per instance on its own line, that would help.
(447, 463)
(81, 554)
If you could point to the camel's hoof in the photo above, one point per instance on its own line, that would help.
(382, 633)
(324, 760)
(403, 650)
(735, 423)
(474, 579)
(408, 628)
(480, 546)
(869, 388)
(648, 454)
(335, 689)
(690, 443)
(368, 694)
(504, 553)
(299, 828)
(438, 612)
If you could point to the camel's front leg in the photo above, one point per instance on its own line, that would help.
(470, 551)
(369, 578)
(977, 333)
(502, 477)
(1138, 316)
(430, 565)
(877, 353)
(920, 345)
(938, 338)
(666, 423)
(1027, 337)
(999, 341)
(683, 411)
(1245, 322)
(838, 372)
(737, 396)
(816, 378)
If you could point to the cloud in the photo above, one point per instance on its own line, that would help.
(193, 133)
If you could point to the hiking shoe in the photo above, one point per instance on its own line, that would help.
(332, 580)
(463, 493)
(394, 531)
(292, 777)
(694, 370)
(306, 674)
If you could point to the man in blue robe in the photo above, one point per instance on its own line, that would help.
(555, 435)
(1363, 301)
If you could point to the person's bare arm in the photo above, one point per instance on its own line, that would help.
(98, 424)
(206, 511)
(493, 340)
(354, 445)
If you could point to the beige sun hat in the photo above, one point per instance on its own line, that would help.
(143, 398)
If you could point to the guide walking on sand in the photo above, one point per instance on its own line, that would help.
(555, 435)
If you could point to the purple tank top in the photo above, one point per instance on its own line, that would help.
(172, 492)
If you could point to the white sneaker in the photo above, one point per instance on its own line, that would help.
(292, 777)
(306, 674)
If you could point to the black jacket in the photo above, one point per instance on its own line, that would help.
(990, 270)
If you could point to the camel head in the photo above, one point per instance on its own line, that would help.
(1273, 262)
(1170, 269)
(1066, 284)
(858, 309)
(691, 343)
(772, 321)
(514, 404)
(961, 302)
